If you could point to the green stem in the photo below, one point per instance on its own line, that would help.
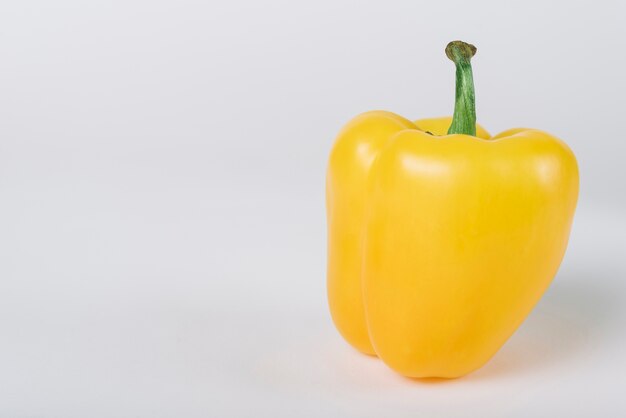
(464, 119)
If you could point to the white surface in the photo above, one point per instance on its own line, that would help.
(162, 232)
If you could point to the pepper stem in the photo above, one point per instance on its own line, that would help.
(464, 119)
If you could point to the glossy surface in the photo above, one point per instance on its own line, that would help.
(351, 158)
(439, 246)
(350, 161)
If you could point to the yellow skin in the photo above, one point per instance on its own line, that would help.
(440, 245)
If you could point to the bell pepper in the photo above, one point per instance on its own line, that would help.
(441, 238)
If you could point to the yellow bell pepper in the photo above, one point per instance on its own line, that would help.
(441, 238)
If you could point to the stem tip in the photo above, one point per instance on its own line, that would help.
(459, 50)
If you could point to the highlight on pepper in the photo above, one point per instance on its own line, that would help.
(441, 237)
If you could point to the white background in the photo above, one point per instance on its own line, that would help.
(162, 226)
